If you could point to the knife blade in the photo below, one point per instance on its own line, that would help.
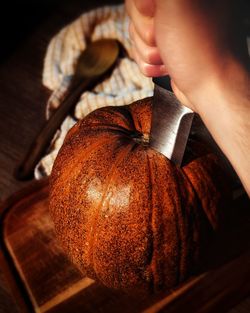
(173, 125)
(171, 122)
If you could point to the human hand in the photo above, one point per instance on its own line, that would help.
(199, 43)
(193, 41)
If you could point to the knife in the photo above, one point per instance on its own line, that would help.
(171, 122)
(173, 125)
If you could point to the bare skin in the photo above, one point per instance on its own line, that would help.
(200, 45)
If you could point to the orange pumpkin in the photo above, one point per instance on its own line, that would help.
(125, 214)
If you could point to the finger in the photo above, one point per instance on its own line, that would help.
(143, 24)
(148, 54)
(149, 70)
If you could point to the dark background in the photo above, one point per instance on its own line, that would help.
(26, 28)
(18, 19)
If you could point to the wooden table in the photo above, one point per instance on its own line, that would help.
(22, 106)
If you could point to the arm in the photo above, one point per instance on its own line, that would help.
(205, 54)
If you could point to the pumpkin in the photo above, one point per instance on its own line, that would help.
(123, 213)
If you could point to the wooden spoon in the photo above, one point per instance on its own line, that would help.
(95, 61)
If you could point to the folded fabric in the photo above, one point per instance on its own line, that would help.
(125, 85)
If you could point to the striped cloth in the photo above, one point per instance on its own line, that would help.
(125, 85)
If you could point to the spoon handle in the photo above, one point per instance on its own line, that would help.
(39, 145)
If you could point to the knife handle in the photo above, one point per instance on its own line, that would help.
(164, 82)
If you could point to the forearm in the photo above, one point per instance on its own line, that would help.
(224, 105)
(210, 71)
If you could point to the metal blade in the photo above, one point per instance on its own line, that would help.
(171, 124)
(174, 127)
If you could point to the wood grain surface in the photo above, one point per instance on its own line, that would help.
(53, 284)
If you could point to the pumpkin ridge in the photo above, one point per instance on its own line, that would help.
(156, 267)
(177, 223)
(188, 240)
(152, 244)
(82, 155)
(68, 145)
(122, 155)
(201, 222)
(128, 116)
(186, 235)
(213, 216)
(106, 113)
(110, 128)
(137, 118)
(139, 124)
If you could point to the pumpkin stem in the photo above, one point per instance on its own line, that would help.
(140, 138)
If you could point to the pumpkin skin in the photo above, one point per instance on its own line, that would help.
(123, 213)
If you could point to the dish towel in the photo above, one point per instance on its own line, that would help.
(125, 85)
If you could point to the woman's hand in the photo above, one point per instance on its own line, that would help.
(195, 41)
(200, 44)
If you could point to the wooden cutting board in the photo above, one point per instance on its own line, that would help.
(52, 284)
